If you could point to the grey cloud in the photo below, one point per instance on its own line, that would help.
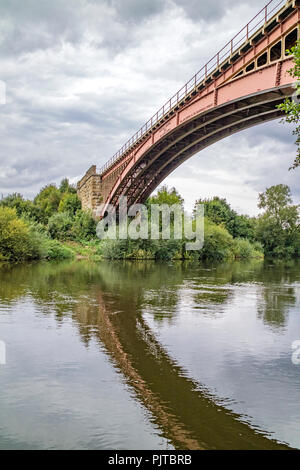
(137, 10)
(210, 11)
(82, 76)
(34, 25)
(277, 130)
(29, 26)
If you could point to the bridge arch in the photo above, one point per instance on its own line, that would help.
(237, 89)
(138, 181)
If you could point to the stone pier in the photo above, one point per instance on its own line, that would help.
(89, 190)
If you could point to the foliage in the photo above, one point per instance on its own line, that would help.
(116, 249)
(165, 250)
(218, 245)
(60, 226)
(85, 249)
(21, 241)
(24, 207)
(14, 236)
(148, 249)
(219, 212)
(278, 228)
(34, 229)
(218, 242)
(292, 108)
(64, 226)
(48, 201)
(244, 249)
(166, 196)
(69, 203)
(84, 226)
(141, 249)
(55, 250)
(66, 187)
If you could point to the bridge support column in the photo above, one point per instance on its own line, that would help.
(89, 190)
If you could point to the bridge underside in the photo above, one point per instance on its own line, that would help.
(239, 93)
(194, 136)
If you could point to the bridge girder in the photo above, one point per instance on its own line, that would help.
(241, 92)
(168, 154)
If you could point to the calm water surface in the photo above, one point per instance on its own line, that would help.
(143, 355)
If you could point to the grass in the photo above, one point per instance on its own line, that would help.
(85, 250)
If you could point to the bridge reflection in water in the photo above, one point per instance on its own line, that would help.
(109, 303)
(187, 414)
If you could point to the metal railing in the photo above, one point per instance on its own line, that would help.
(262, 17)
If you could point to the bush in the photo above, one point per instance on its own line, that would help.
(53, 249)
(17, 242)
(220, 213)
(141, 248)
(48, 201)
(243, 249)
(60, 226)
(63, 226)
(165, 250)
(24, 207)
(69, 203)
(218, 242)
(84, 226)
(115, 249)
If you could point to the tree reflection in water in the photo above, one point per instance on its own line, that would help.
(106, 302)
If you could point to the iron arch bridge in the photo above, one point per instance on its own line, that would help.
(239, 87)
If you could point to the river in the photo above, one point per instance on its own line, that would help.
(140, 355)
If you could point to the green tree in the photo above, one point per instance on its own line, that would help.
(278, 228)
(24, 207)
(218, 242)
(70, 203)
(18, 241)
(60, 226)
(166, 196)
(84, 226)
(66, 187)
(220, 213)
(291, 107)
(48, 201)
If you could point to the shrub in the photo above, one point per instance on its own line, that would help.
(60, 226)
(141, 248)
(115, 249)
(24, 207)
(165, 250)
(218, 242)
(243, 249)
(84, 226)
(69, 203)
(66, 187)
(16, 241)
(48, 201)
(53, 249)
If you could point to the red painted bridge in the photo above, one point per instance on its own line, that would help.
(238, 88)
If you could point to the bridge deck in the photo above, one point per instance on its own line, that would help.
(259, 64)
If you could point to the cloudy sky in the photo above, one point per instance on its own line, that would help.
(83, 75)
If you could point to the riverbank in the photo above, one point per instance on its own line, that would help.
(54, 226)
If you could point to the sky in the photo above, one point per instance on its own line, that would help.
(82, 76)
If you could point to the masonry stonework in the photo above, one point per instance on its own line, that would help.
(93, 189)
(89, 190)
